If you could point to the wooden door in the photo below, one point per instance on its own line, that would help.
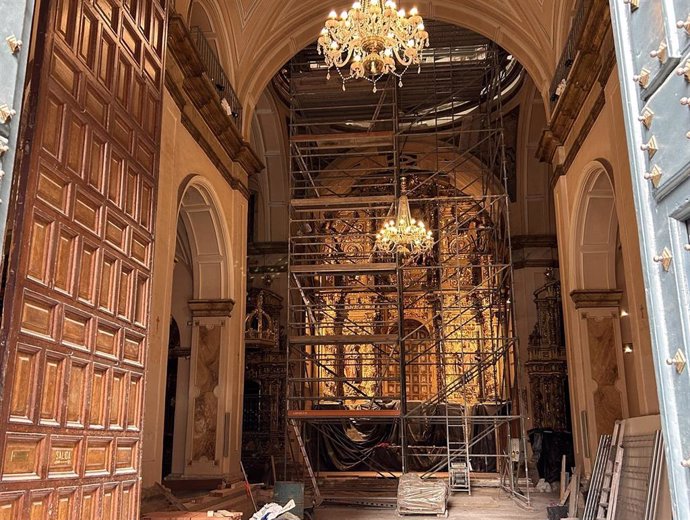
(75, 320)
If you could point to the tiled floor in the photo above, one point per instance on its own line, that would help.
(484, 504)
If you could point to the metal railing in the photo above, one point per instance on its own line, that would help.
(570, 50)
(217, 75)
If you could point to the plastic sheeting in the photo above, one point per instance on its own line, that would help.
(419, 496)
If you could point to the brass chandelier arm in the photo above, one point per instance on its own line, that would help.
(373, 39)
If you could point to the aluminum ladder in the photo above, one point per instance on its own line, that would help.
(458, 452)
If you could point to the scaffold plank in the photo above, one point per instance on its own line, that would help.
(345, 339)
(344, 138)
(343, 414)
(329, 202)
(342, 268)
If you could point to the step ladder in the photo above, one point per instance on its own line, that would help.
(596, 482)
(606, 509)
(458, 452)
(317, 498)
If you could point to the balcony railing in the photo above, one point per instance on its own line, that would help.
(217, 75)
(570, 51)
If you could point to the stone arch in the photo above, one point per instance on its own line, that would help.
(209, 241)
(595, 230)
(268, 137)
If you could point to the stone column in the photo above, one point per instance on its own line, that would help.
(207, 438)
(600, 369)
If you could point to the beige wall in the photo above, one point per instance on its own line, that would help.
(182, 162)
(604, 149)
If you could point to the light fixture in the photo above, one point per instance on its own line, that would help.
(404, 234)
(373, 39)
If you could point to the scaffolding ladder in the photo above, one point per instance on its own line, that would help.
(317, 499)
(458, 452)
(606, 509)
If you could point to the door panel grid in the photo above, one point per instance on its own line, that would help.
(77, 311)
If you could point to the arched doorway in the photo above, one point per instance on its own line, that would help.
(194, 433)
(597, 374)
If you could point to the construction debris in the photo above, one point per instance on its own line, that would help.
(273, 511)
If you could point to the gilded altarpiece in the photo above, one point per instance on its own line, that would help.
(76, 307)
(547, 366)
(451, 318)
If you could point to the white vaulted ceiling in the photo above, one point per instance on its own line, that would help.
(257, 37)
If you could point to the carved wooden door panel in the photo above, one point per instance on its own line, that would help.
(652, 41)
(75, 317)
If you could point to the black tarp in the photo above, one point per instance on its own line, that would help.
(365, 444)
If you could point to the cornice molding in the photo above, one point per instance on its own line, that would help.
(535, 264)
(592, 117)
(592, 66)
(518, 242)
(596, 298)
(191, 88)
(211, 308)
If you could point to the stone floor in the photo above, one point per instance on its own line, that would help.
(484, 504)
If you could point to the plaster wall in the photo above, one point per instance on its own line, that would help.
(604, 148)
(184, 162)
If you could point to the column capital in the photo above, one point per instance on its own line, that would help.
(211, 308)
(594, 298)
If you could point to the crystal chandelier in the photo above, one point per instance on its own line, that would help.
(374, 40)
(404, 234)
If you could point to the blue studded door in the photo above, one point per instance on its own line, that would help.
(653, 50)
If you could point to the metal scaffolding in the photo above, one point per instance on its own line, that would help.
(399, 364)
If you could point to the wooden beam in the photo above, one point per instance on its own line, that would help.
(343, 339)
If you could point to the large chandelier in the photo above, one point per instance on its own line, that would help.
(404, 234)
(373, 40)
